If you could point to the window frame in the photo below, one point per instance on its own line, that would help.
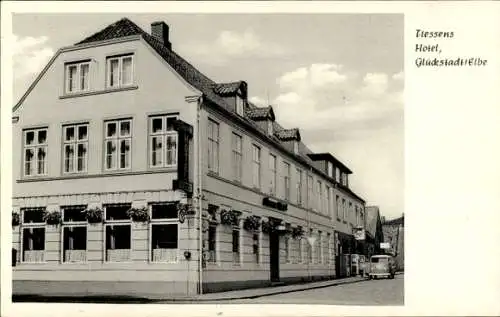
(118, 222)
(73, 224)
(159, 222)
(310, 191)
(257, 256)
(273, 177)
(240, 105)
(237, 157)
(213, 141)
(117, 141)
(164, 134)
(78, 75)
(30, 226)
(256, 164)
(35, 147)
(75, 143)
(298, 186)
(215, 260)
(233, 229)
(120, 59)
(319, 196)
(287, 180)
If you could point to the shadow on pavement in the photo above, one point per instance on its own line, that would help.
(81, 299)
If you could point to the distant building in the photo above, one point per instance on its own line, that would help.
(394, 235)
(374, 233)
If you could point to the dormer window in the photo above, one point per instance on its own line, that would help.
(330, 169)
(296, 147)
(240, 105)
(337, 175)
(270, 127)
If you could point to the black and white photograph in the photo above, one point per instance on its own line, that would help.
(249, 158)
(240, 161)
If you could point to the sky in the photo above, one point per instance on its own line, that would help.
(337, 77)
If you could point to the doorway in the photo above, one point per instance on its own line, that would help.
(274, 254)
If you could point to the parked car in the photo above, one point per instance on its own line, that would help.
(382, 266)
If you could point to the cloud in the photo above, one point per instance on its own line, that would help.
(231, 45)
(356, 117)
(30, 55)
(328, 96)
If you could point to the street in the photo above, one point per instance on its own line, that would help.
(369, 292)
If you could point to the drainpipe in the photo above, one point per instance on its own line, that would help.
(199, 194)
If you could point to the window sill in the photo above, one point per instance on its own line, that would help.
(98, 92)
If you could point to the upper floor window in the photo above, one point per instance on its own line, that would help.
(77, 77)
(75, 148)
(319, 196)
(298, 188)
(162, 141)
(120, 70)
(236, 143)
(344, 179)
(286, 180)
(310, 191)
(272, 177)
(338, 207)
(328, 208)
(296, 147)
(240, 105)
(213, 146)
(256, 166)
(344, 209)
(337, 175)
(118, 145)
(35, 152)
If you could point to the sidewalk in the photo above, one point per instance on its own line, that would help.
(210, 297)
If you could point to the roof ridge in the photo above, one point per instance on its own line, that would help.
(125, 25)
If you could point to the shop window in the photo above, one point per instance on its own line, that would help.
(118, 233)
(164, 232)
(212, 243)
(33, 235)
(74, 229)
(236, 246)
(256, 246)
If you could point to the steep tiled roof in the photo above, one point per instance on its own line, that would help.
(288, 134)
(263, 113)
(397, 221)
(121, 28)
(227, 88)
(211, 90)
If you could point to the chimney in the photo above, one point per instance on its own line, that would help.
(159, 30)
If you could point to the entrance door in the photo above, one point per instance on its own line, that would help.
(274, 251)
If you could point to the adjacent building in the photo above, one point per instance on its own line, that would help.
(394, 235)
(374, 232)
(135, 173)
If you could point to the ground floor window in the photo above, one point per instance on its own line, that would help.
(164, 239)
(301, 251)
(236, 245)
(33, 235)
(212, 243)
(164, 232)
(256, 246)
(320, 248)
(287, 249)
(118, 233)
(74, 234)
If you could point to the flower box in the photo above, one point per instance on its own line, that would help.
(139, 214)
(251, 223)
(15, 219)
(229, 217)
(94, 215)
(53, 217)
